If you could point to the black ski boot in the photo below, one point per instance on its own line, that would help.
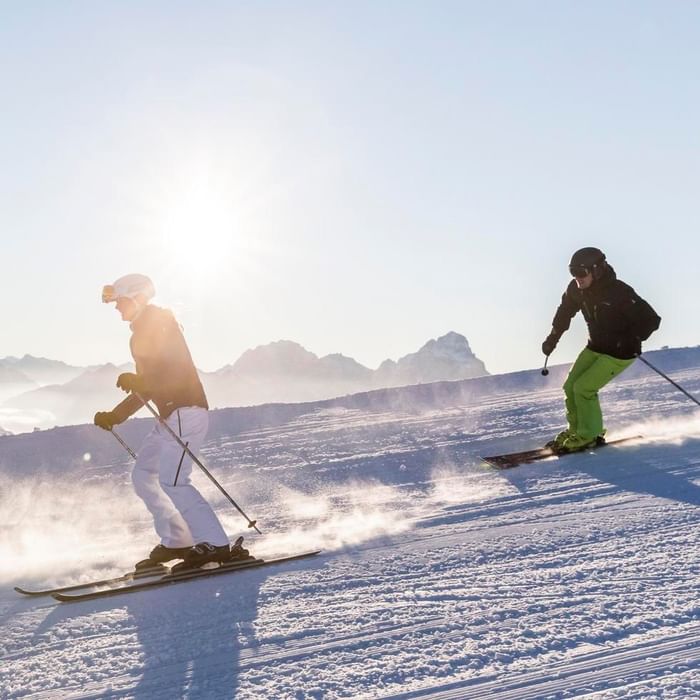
(238, 551)
(201, 554)
(159, 555)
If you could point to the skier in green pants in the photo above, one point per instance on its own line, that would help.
(618, 321)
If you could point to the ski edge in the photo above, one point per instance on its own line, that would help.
(495, 464)
(179, 578)
(130, 576)
(156, 571)
(546, 453)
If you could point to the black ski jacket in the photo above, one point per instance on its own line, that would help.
(164, 363)
(618, 318)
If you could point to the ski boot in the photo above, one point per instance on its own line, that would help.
(558, 441)
(201, 554)
(577, 443)
(158, 556)
(238, 551)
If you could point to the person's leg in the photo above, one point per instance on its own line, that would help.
(582, 364)
(191, 425)
(585, 391)
(169, 524)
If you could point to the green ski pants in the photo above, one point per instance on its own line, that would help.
(590, 373)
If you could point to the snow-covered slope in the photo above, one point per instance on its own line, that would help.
(439, 578)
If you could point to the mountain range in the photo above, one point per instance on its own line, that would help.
(40, 393)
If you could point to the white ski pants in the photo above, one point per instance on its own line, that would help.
(161, 478)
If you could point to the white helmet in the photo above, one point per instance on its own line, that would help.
(129, 286)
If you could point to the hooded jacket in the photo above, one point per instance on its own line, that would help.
(164, 363)
(618, 318)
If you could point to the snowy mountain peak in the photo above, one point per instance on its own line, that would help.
(281, 356)
(448, 357)
(342, 365)
(278, 372)
(449, 346)
(42, 370)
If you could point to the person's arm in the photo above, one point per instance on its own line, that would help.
(567, 309)
(645, 319)
(122, 411)
(642, 318)
(126, 408)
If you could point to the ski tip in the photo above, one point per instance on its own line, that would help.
(281, 560)
(32, 594)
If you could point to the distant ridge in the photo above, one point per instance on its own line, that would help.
(41, 370)
(286, 373)
(23, 449)
(279, 372)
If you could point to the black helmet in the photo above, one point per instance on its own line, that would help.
(587, 260)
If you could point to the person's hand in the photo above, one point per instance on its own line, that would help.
(105, 420)
(550, 342)
(128, 381)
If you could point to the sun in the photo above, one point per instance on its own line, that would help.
(201, 228)
(209, 232)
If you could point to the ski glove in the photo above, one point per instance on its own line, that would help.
(128, 381)
(105, 420)
(550, 343)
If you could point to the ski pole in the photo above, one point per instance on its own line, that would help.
(545, 371)
(668, 379)
(156, 415)
(123, 444)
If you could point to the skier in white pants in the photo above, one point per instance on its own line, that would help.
(186, 524)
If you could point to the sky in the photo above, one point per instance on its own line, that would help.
(356, 177)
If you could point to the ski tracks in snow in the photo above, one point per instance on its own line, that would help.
(569, 578)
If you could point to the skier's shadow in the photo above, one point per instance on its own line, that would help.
(192, 643)
(190, 636)
(666, 471)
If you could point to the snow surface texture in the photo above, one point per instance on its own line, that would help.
(439, 578)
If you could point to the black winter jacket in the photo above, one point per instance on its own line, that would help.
(618, 318)
(164, 362)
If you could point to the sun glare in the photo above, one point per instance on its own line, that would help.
(200, 231)
(208, 232)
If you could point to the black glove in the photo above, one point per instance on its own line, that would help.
(550, 343)
(128, 381)
(105, 420)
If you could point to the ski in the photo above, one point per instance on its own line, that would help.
(123, 578)
(157, 570)
(514, 459)
(170, 579)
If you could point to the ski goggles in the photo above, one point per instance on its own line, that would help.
(109, 294)
(579, 271)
